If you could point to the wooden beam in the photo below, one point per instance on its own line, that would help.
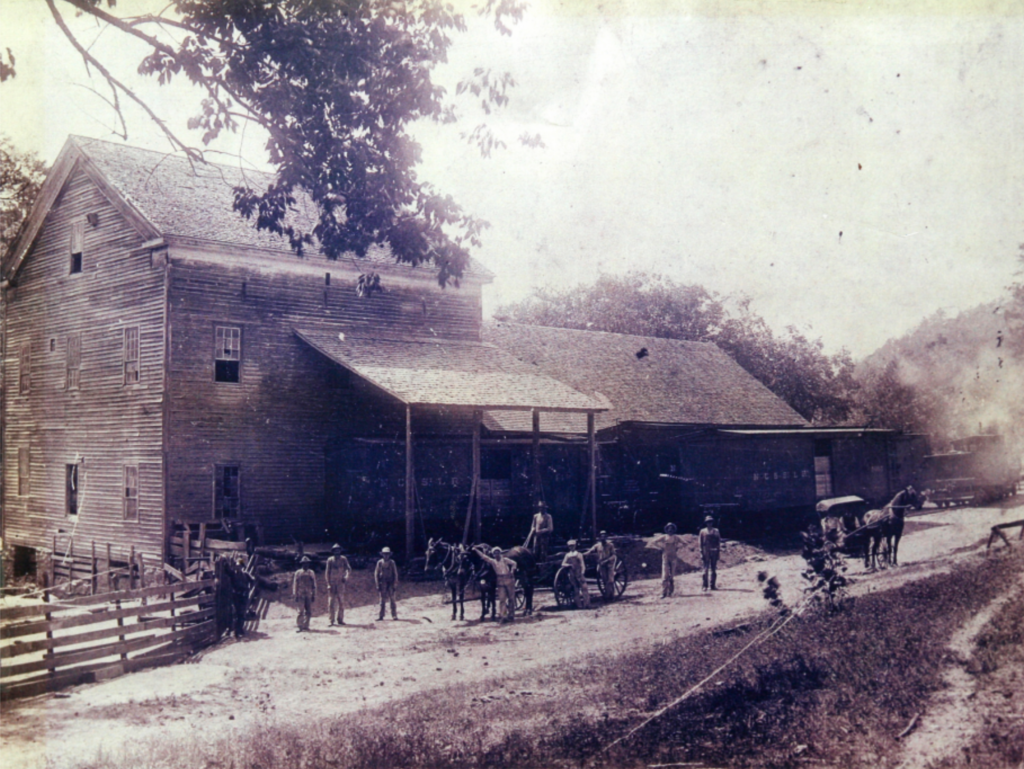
(537, 490)
(592, 473)
(478, 522)
(410, 520)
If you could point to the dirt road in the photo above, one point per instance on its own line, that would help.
(281, 675)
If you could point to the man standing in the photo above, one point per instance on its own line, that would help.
(710, 543)
(336, 574)
(241, 585)
(385, 577)
(540, 531)
(574, 560)
(505, 571)
(304, 592)
(606, 561)
(670, 543)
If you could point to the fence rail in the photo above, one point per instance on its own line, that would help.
(114, 633)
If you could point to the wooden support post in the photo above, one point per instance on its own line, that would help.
(410, 480)
(120, 622)
(93, 586)
(110, 572)
(186, 543)
(592, 472)
(478, 521)
(142, 571)
(131, 569)
(69, 558)
(537, 488)
(53, 563)
(49, 633)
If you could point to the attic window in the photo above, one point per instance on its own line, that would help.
(77, 240)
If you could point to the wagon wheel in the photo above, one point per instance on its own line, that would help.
(520, 594)
(621, 578)
(564, 594)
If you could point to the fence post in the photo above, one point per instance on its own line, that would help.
(110, 572)
(131, 569)
(53, 563)
(93, 586)
(49, 633)
(186, 544)
(120, 623)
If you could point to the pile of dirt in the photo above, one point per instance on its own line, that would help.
(643, 559)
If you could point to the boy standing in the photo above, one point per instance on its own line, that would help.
(710, 544)
(336, 573)
(304, 592)
(385, 577)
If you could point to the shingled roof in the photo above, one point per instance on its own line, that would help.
(448, 373)
(647, 380)
(176, 199)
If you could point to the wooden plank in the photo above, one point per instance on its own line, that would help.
(31, 628)
(76, 657)
(19, 648)
(220, 544)
(36, 610)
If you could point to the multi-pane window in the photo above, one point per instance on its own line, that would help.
(227, 353)
(25, 369)
(77, 245)
(131, 492)
(131, 355)
(227, 502)
(24, 472)
(73, 361)
(72, 489)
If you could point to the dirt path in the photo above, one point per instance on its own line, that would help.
(280, 675)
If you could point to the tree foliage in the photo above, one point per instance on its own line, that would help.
(335, 85)
(797, 369)
(21, 176)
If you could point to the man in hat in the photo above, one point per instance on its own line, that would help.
(605, 552)
(505, 571)
(304, 592)
(577, 569)
(336, 573)
(540, 531)
(710, 544)
(385, 577)
(670, 544)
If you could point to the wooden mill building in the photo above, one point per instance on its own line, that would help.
(167, 363)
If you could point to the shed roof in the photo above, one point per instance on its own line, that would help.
(448, 373)
(647, 379)
(168, 196)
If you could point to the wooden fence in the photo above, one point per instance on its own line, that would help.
(63, 642)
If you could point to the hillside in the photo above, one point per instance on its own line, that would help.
(964, 368)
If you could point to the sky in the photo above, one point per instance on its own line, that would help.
(849, 167)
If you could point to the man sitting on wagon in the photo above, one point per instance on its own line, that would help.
(577, 568)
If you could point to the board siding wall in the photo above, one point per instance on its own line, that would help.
(290, 402)
(104, 424)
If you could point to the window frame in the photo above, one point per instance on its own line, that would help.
(72, 489)
(73, 362)
(25, 368)
(227, 354)
(131, 500)
(131, 353)
(76, 247)
(24, 471)
(219, 496)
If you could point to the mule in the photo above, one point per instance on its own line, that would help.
(887, 524)
(456, 570)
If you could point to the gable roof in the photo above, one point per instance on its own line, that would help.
(164, 195)
(448, 372)
(672, 382)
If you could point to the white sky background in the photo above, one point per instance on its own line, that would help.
(726, 149)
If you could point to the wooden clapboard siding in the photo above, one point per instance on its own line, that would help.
(104, 424)
(290, 401)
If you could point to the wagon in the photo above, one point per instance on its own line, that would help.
(562, 584)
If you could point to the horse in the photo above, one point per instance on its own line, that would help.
(887, 524)
(455, 570)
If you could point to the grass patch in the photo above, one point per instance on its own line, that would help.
(829, 689)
